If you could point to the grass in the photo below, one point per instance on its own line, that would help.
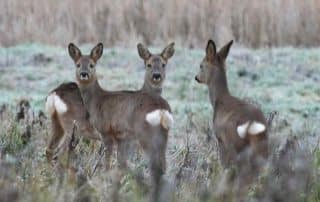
(285, 80)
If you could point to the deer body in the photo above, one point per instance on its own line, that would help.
(240, 127)
(122, 116)
(119, 109)
(66, 108)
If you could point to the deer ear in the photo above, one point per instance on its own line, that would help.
(74, 52)
(96, 52)
(224, 51)
(168, 51)
(211, 50)
(143, 52)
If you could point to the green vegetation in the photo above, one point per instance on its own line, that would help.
(284, 80)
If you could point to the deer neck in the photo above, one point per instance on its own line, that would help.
(89, 93)
(147, 87)
(218, 88)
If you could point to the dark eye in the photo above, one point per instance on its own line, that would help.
(149, 65)
(201, 66)
(78, 65)
(163, 65)
(91, 65)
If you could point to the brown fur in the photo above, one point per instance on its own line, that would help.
(120, 116)
(62, 124)
(230, 112)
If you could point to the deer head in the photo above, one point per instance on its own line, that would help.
(212, 66)
(155, 64)
(85, 64)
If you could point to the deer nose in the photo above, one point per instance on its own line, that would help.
(84, 75)
(196, 78)
(156, 76)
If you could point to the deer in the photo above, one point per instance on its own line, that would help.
(240, 127)
(124, 116)
(155, 66)
(69, 93)
(66, 109)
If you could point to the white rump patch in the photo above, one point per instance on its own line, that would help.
(50, 104)
(160, 116)
(55, 103)
(256, 128)
(242, 129)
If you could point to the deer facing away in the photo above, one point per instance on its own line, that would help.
(240, 127)
(123, 116)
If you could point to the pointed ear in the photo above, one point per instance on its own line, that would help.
(143, 52)
(74, 52)
(224, 51)
(96, 52)
(211, 50)
(168, 51)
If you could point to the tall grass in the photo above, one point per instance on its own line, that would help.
(250, 22)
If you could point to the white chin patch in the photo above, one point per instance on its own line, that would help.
(84, 78)
(157, 79)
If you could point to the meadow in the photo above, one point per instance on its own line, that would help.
(281, 80)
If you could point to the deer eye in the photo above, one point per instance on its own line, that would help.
(91, 65)
(149, 65)
(201, 66)
(78, 65)
(163, 65)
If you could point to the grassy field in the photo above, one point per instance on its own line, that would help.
(284, 80)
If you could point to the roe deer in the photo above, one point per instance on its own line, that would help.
(155, 65)
(240, 127)
(65, 106)
(122, 116)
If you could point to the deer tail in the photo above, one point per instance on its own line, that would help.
(160, 117)
(55, 104)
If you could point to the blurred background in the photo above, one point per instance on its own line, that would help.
(275, 65)
(253, 23)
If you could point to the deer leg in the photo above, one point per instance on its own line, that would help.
(108, 147)
(56, 135)
(259, 151)
(157, 156)
(123, 153)
(70, 140)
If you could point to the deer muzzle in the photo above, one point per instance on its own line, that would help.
(84, 76)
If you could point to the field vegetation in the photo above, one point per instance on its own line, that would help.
(283, 81)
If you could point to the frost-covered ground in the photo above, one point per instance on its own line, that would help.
(284, 80)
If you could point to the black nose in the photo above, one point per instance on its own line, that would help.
(83, 74)
(156, 76)
(196, 78)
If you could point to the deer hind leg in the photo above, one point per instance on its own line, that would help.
(123, 153)
(259, 145)
(108, 148)
(71, 136)
(157, 155)
(56, 135)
